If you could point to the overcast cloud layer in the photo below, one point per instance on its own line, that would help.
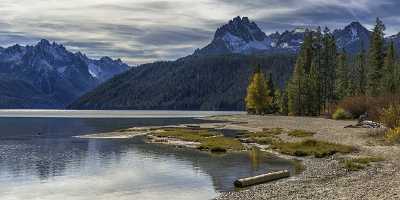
(141, 31)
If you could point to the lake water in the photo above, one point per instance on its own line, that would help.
(40, 160)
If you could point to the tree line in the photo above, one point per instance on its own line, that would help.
(324, 75)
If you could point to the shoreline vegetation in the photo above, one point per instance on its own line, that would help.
(326, 155)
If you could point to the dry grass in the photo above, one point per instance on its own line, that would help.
(393, 135)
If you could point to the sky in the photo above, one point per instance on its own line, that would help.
(142, 31)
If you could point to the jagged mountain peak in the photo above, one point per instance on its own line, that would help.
(352, 37)
(56, 75)
(355, 24)
(239, 35)
(242, 28)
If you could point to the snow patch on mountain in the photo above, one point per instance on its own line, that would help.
(94, 70)
(238, 45)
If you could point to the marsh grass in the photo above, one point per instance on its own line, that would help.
(186, 134)
(209, 139)
(267, 136)
(301, 133)
(221, 144)
(314, 148)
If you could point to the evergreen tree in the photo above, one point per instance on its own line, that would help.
(272, 91)
(389, 80)
(327, 69)
(313, 94)
(360, 79)
(297, 87)
(342, 78)
(376, 59)
(257, 98)
(284, 103)
(271, 86)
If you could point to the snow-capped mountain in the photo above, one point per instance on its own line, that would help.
(238, 36)
(47, 75)
(241, 35)
(353, 37)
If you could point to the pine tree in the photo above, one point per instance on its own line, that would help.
(389, 80)
(313, 94)
(342, 78)
(376, 59)
(271, 86)
(257, 99)
(297, 88)
(360, 78)
(284, 103)
(327, 69)
(270, 83)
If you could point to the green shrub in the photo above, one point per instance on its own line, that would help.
(341, 114)
(393, 135)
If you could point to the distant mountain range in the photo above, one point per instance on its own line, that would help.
(245, 37)
(216, 76)
(49, 76)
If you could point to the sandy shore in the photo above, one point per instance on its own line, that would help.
(323, 178)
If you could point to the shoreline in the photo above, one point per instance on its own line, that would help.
(323, 178)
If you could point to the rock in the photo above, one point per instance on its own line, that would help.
(370, 124)
(366, 124)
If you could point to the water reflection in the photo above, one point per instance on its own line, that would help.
(57, 166)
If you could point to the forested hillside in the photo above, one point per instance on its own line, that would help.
(213, 82)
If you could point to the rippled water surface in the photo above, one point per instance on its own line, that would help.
(40, 160)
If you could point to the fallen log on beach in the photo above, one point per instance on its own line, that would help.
(244, 182)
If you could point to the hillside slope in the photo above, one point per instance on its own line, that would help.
(213, 82)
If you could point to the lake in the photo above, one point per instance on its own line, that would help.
(39, 158)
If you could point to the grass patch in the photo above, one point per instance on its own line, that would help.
(301, 133)
(353, 166)
(221, 144)
(318, 149)
(209, 139)
(267, 136)
(186, 134)
(357, 164)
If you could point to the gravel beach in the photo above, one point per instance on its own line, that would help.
(326, 178)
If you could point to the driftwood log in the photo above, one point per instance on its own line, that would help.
(244, 182)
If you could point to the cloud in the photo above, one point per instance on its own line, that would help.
(149, 30)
